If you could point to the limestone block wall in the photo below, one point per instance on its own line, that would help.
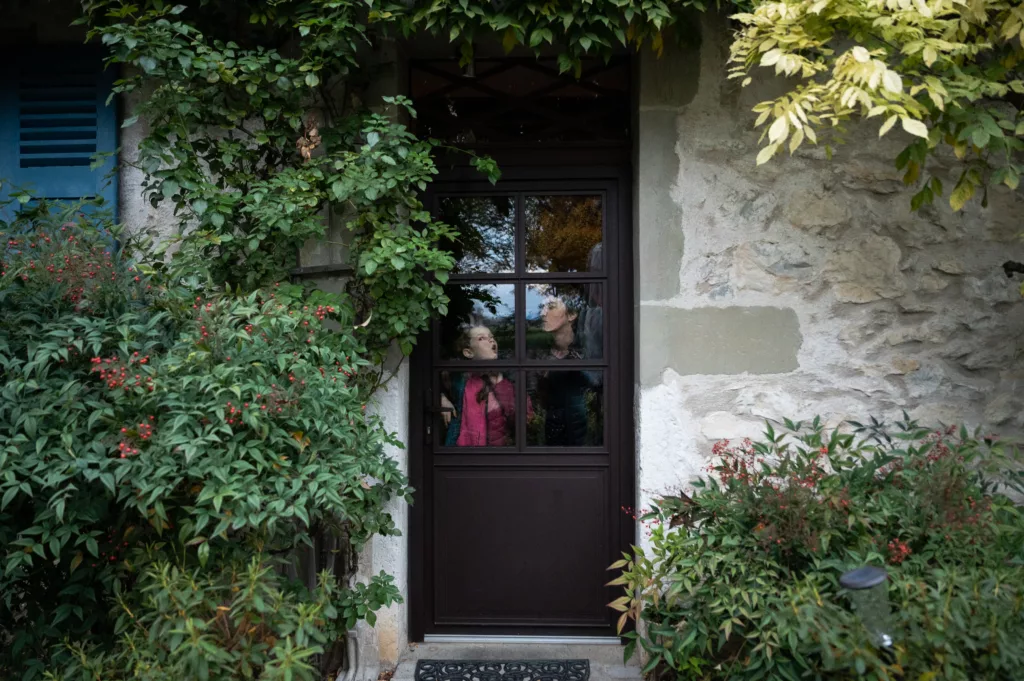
(804, 287)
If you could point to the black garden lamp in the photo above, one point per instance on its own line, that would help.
(870, 596)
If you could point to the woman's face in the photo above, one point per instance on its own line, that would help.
(554, 315)
(481, 344)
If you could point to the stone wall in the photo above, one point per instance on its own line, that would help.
(805, 286)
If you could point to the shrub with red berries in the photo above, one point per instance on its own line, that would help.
(739, 577)
(146, 424)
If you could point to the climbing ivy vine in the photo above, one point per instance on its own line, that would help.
(180, 424)
(259, 127)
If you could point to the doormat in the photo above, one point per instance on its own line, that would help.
(503, 670)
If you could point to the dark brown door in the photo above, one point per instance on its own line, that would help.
(522, 399)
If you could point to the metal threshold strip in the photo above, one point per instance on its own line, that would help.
(554, 640)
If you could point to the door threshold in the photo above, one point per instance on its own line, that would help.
(559, 640)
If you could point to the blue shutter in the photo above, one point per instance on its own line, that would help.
(53, 117)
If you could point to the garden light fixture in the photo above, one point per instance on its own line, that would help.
(870, 596)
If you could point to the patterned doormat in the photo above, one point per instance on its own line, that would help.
(503, 670)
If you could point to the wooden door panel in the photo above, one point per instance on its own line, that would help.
(521, 546)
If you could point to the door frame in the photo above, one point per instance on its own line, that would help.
(622, 360)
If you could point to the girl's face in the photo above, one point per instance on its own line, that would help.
(554, 315)
(481, 344)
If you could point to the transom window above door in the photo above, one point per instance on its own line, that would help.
(520, 360)
(522, 101)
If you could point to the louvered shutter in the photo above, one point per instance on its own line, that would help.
(53, 117)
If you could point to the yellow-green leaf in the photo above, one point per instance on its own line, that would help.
(962, 193)
(778, 130)
(887, 126)
(914, 127)
(796, 140)
(892, 82)
(767, 153)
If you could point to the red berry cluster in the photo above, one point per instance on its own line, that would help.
(648, 524)
(898, 551)
(322, 311)
(115, 373)
(199, 303)
(126, 449)
(274, 403)
(80, 269)
(112, 549)
(734, 462)
(143, 431)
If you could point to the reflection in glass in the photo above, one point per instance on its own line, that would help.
(564, 321)
(486, 227)
(478, 409)
(567, 409)
(563, 233)
(480, 323)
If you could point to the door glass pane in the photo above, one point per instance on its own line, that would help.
(480, 323)
(486, 227)
(563, 233)
(477, 409)
(565, 408)
(564, 321)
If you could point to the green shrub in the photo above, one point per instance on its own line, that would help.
(741, 580)
(165, 449)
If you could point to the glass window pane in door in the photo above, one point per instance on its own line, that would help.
(480, 324)
(565, 321)
(565, 408)
(564, 233)
(477, 409)
(486, 227)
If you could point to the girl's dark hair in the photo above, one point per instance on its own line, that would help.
(462, 341)
(487, 389)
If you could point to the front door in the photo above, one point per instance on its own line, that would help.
(523, 399)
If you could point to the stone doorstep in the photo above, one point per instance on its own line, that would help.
(605, 660)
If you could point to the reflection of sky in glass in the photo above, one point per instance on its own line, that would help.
(505, 295)
(536, 294)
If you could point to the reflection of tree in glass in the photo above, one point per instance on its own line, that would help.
(561, 231)
(478, 305)
(572, 295)
(486, 227)
(535, 426)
